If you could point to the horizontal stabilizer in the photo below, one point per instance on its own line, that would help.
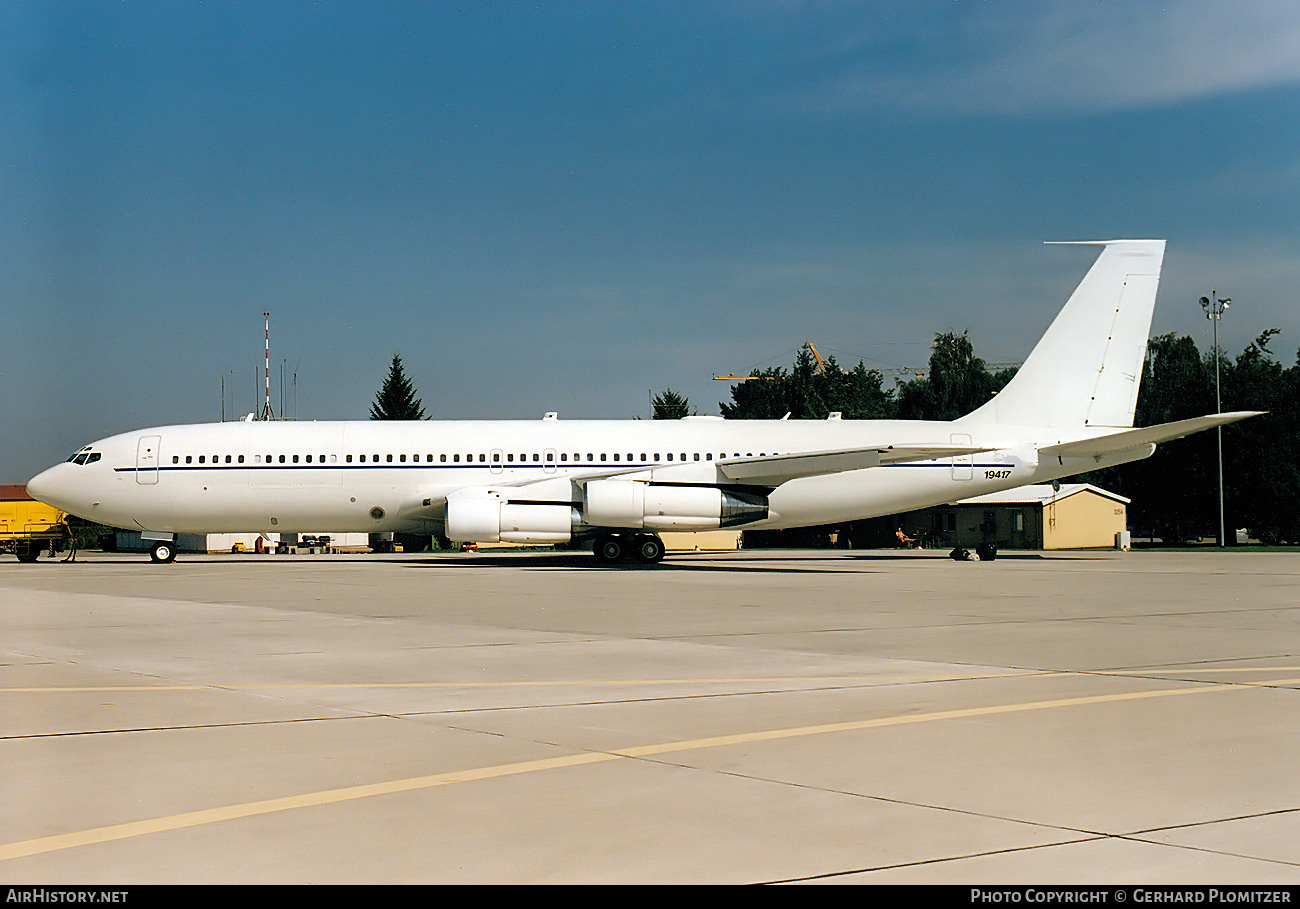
(1130, 439)
(773, 470)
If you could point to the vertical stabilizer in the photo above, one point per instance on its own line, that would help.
(1085, 370)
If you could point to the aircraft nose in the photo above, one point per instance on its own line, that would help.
(46, 486)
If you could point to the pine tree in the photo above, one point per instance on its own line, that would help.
(397, 399)
(669, 405)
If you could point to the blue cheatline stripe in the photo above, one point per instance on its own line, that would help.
(555, 466)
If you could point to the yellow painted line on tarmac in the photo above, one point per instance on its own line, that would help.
(961, 713)
(116, 832)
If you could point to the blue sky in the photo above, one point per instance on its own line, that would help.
(561, 206)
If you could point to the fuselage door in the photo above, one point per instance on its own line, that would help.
(548, 460)
(963, 466)
(146, 460)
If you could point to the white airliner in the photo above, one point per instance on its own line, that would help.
(621, 484)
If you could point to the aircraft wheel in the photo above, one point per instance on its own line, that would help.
(163, 551)
(608, 548)
(649, 549)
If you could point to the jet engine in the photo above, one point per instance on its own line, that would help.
(637, 505)
(482, 516)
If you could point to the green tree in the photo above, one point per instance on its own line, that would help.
(1175, 492)
(761, 397)
(1170, 491)
(669, 405)
(397, 400)
(858, 394)
(810, 393)
(957, 382)
(1261, 477)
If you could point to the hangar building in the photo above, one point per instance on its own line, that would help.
(1075, 516)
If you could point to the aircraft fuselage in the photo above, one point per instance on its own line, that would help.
(395, 476)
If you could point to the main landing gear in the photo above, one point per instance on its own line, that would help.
(645, 548)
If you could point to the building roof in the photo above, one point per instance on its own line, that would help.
(1041, 494)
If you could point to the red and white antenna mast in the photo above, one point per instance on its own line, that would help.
(266, 407)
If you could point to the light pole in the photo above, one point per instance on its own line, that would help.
(1214, 310)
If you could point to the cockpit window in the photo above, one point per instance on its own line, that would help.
(85, 456)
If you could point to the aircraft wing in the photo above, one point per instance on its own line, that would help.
(773, 470)
(1128, 439)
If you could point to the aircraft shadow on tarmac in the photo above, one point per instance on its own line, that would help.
(784, 562)
(787, 562)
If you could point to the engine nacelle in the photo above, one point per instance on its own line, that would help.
(636, 505)
(481, 516)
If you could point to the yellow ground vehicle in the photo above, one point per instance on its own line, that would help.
(29, 527)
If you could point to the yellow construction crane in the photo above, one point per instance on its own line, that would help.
(821, 364)
(821, 368)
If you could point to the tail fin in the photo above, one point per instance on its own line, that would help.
(1085, 370)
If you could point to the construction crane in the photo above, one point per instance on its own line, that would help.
(820, 370)
(821, 363)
